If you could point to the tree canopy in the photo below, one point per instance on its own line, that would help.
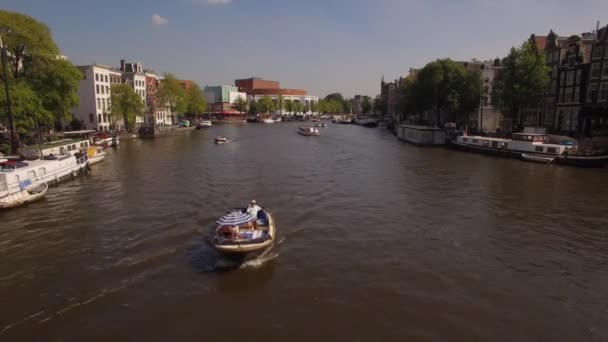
(522, 82)
(172, 94)
(126, 104)
(43, 85)
(446, 88)
(240, 104)
(366, 104)
(195, 101)
(266, 105)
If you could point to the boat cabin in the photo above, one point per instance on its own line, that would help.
(531, 137)
(521, 143)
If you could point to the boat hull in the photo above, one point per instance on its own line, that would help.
(246, 248)
(97, 159)
(24, 197)
(582, 161)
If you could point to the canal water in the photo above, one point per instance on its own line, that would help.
(379, 241)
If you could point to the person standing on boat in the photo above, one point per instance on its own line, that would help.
(253, 210)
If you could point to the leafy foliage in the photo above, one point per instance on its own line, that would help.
(172, 94)
(195, 101)
(366, 104)
(522, 81)
(266, 105)
(240, 104)
(126, 104)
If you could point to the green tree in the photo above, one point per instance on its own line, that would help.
(280, 104)
(366, 105)
(195, 101)
(36, 70)
(289, 106)
(26, 40)
(298, 107)
(313, 106)
(377, 105)
(266, 105)
(172, 95)
(253, 107)
(522, 82)
(26, 106)
(240, 104)
(126, 104)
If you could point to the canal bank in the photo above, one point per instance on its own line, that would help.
(378, 241)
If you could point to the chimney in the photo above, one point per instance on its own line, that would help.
(122, 65)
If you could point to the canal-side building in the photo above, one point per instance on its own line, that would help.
(594, 116)
(156, 114)
(94, 109)
(221, 98)
(554, 53)
(256, 88)
(390, 95)
(133, 74)
(571, 88)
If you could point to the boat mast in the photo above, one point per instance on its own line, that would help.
(11, 120)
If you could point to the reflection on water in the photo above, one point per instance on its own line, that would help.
(377, 241)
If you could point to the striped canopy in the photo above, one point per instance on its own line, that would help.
(235, 218)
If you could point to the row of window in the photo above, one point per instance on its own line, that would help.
(104, 89)
(139, 83)
(104, 78)
(103, 104)
(602, 94)
(595, 70)
(100, 118)
(597, 52)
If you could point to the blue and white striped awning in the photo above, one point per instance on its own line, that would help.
(235, 218)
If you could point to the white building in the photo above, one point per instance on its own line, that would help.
(487, 117)
(133, 74)
(305, 99)
(94, 92)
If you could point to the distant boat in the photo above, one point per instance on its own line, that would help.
(366, 122)
(204, 124)
(221, 140)
(268, 120)
(308, 131)
(319, 125)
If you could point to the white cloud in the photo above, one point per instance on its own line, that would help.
(219, 2)
(159, 21)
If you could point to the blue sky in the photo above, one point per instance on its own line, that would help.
(323, 46)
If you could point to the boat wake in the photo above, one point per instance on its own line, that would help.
(260, 260)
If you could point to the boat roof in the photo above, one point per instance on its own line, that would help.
(54, 144)
(422, 128)
(506, 140)
(83, 131)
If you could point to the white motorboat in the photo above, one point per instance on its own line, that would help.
(308, 131)
(28, 194)
(321, 125)
(204, 124)
(537, 158)
(239, 232)
(267, 120)
(221, 140)
(95, 154)
(278, 119)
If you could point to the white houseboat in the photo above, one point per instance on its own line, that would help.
(50, 169)
(528, 146)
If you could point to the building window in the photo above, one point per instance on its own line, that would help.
(570, 77)
(603, 96)
(106, 78)
(98, 103)
(98, 117)
(103, 105)
(568, 95)
(97, 88)
(108, 101)
(556, 56)
(605, 71)
(97, 77)
(592, 93)
(597, 52)
(107, 89)
(595, 70)
(571, 60)
(579, 74)
(577, 94)
(103, 90)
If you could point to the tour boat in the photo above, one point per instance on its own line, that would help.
(204, 124)
(267, 120)
(28, 193)
(95, 154)
(221, 140)
(320, 125)
(537, 158)
(308, 131)
(239, 232)
(49, 169)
